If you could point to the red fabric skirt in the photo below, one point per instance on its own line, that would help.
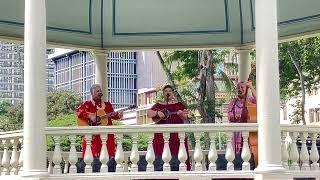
(96, 145)
(174, 143)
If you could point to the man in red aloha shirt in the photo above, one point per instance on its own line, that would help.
(87, 111)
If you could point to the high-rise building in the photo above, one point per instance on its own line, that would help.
(11, 72)
(75, 71)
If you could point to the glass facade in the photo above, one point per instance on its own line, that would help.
(11, 72)
(76, 71)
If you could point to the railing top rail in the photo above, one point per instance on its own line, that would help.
(11, 134)
(300, 128)
(152, 128)
(227, 127)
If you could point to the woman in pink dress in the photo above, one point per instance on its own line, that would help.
(238, 113)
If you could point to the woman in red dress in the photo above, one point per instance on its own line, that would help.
(157, 113)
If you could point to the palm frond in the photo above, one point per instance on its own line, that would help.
(228, 84)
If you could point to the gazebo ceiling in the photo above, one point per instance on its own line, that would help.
(134, 24)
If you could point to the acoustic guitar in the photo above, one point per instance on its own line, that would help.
(167, 115)
(102, 117)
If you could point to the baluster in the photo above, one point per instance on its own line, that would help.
(0, 164)
(5, 158)
(104, 155)
(182, 154)
(284, 150)
(150, 157)
(125, 164)
(245, 154)
(230, 153)
(73, 158)
(134, 156)
(56, 155)
(14, 157)
(294, 154)
(119, 157)
(65, 158)
(198, 155)
(50, 168)
(88, 158)
(212, 156)
(20, 165)
(314, 154)
(304, 154)
(166, 154)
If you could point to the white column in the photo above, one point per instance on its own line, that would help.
(244, 64)
(35, 89)
(101, 72)
(268, 104)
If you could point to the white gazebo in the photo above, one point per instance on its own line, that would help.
(104, 25)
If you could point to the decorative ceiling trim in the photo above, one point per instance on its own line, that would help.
(89, 31)
(241, 23)
(284, 23)
(101, 25)
(214, 31)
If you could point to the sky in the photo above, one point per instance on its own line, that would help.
(59, 51)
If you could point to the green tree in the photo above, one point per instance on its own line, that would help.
(297, 114)
(194, 78)
(62, 103)
(59, 103)
(4, 107)
(299, 68)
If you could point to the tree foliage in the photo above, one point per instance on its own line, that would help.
(193, 75)
(307, 54)
(299, 69)
(59, 103)
(62, 103)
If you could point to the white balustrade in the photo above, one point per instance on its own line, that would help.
(166, 154)
(134, 157)
(50, 166)
(119, 157)
(293, 153)
(14, 157)
(73, 158)
(57, 157)
(5, 158)
(245, 154)
(182, 154)
(0, 163)
(88, 158)
(198, 155)
(150, 157)
(284, 150)
(20, 161)
(314, 154)
(213, 155)
(66, 163)
(294, 157)
(104, 155)
(230, 153)
(304, 154)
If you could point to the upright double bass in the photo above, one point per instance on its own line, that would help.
(252, 110)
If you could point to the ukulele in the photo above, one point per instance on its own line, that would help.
(166, 113)
(102, 117)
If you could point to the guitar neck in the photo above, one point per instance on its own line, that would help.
(108, 115)
(114, 113)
